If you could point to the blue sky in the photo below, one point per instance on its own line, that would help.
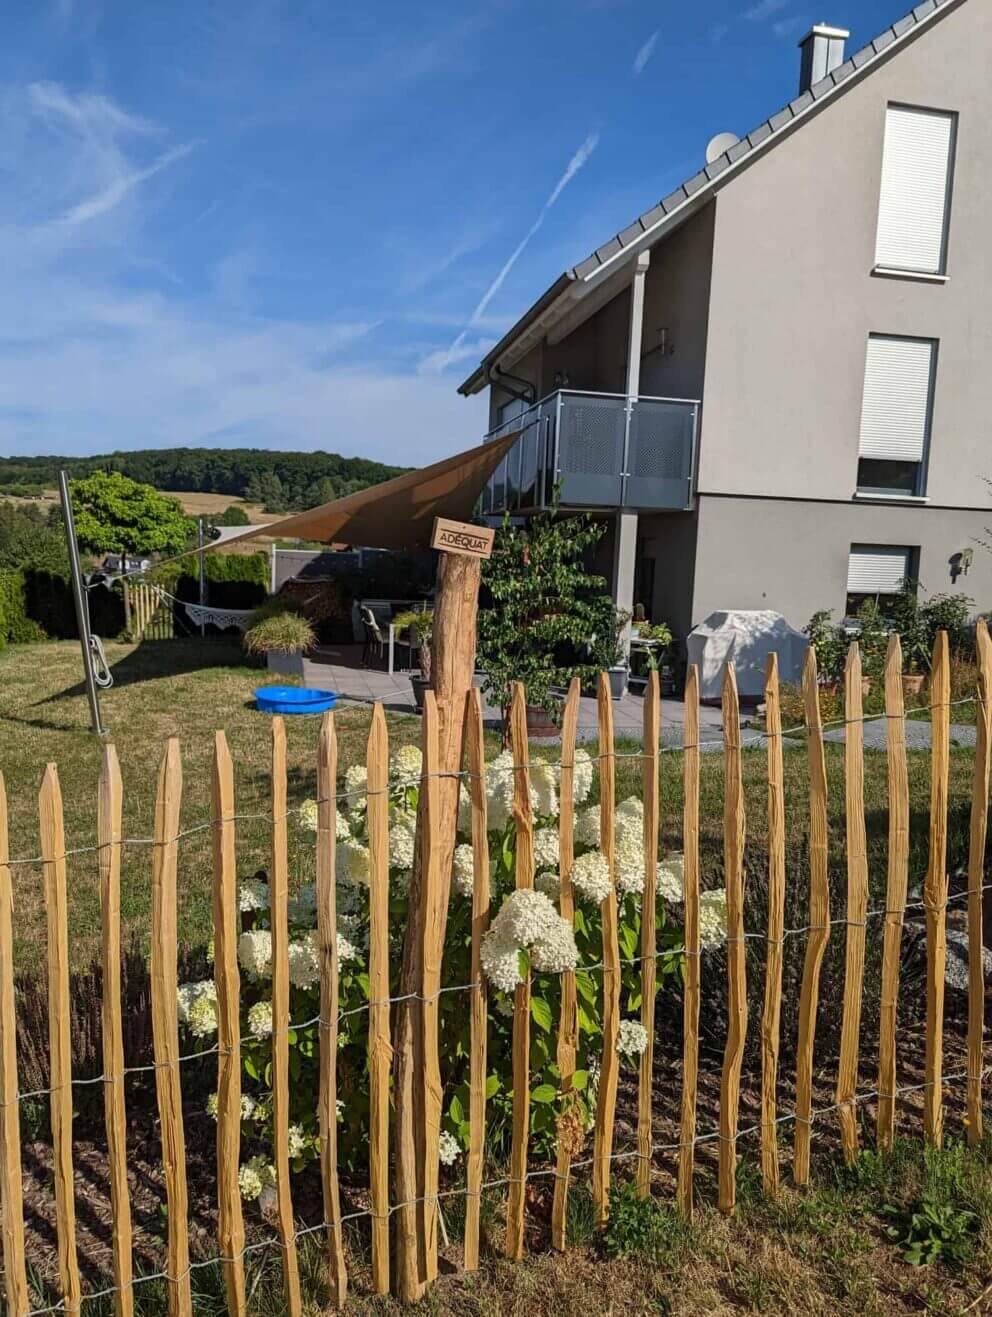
(299, 223)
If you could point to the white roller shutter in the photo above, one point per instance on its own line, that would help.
(895, 412)
(912, 214)
(877, 569)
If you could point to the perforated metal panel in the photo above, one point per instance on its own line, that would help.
(660, 454)
(590, 449)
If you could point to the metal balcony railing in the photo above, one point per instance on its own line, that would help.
(603, 450)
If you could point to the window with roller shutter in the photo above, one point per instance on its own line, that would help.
(896, 415)
(917, 170)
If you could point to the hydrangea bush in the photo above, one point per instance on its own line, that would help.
(526, 932)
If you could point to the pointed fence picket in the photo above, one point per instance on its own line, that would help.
(604, 1160)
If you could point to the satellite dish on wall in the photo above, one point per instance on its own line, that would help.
(720, 145)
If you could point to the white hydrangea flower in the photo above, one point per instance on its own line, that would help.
(254, 1176)
(253, 894)
(346, 951)
(297, 1141)
(630, 863)
(671, 879)
(448, 1148)
(464, 809)
(342, 831)
(247, 1106)
(543, 789)
(308, 814)
(713, 917)
(630, 814)
(304, 961)
(197, 1007)
(463, 870)
(587, 826)
(555, 951)
(527, 919)
(581, 776)
(632, 1039)
(591, 877)
(546, 848)
(255, 952)
(500, 962)
(504, 1007)
(401, 845)
(499, 791)
(356, 781)
(212, 1105)
(352, 863)
(547, 882)
(260, 1019)
(407, 764)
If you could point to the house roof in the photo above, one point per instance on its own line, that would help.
(686, 199)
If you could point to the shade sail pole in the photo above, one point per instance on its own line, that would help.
(453, 662)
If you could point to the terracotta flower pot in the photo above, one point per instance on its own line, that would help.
(912, 683)
(539, 724)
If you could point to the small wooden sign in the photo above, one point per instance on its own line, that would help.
(462, 537)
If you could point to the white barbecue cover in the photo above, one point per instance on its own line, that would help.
(745, 639)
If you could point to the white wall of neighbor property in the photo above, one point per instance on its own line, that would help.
(793, 298)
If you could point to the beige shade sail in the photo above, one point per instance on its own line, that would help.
(398, 514)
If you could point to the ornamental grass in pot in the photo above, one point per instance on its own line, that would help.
(283, 636)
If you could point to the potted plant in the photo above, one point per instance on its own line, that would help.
(420, 624)
(619, 667)
(658, 656)
(284, 636)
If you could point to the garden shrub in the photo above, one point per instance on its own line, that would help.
(526, 931)
(233, 580)
(16, 627)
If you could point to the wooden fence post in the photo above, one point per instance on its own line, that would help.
(976, 881)
(649, 930)
(819, 919)
(110, 803)
(165, 1026)
(11, 1198)
(733, 863)
(478, 1025)
(524, 820)
(380, 1051)
(59, 1040)
(435, 913)
(609, 1074)
(227, 979)
(279, 918)
(772, 1012)
(327, 939)
(690, 1004)
(935, 890)
(568, 1024)
(857, 905)
(895, 892)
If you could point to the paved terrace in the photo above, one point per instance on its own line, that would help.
(338, 668)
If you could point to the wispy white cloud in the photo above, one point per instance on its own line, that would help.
(644, 54)
(438, 361)
(112, 195)
(765, 9)
(790, 27)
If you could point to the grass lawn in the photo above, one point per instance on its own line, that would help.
(161, 689)
(188, 690)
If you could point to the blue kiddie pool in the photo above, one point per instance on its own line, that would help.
(293, 699)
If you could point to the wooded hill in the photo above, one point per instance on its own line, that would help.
(280, 481)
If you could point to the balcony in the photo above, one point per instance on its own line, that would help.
(602, 449)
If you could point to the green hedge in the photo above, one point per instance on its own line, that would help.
(15, 625)
(234, 580)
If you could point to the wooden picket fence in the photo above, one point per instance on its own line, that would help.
(416, 1225)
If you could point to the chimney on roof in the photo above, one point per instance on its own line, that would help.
(823, 51)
